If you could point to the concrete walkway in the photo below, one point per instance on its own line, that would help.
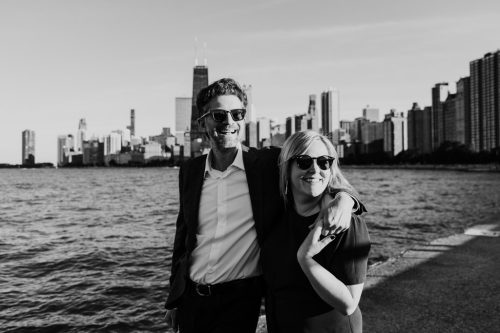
(449, 285)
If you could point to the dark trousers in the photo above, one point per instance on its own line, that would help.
(231, 308)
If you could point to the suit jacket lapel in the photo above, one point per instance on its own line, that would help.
(254, 186)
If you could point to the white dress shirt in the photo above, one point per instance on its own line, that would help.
(226, 241)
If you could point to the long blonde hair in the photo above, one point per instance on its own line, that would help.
(296, 145)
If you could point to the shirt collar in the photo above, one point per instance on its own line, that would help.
(237, 163)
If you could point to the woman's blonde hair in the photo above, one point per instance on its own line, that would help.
(297, 144)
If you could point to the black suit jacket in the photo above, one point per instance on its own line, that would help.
(261, 168)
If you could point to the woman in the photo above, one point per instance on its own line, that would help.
(314, 284)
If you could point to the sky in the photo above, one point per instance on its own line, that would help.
(62, 60)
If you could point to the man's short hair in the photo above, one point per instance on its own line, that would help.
(220, 87)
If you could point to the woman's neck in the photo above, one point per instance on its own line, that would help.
(306, 205)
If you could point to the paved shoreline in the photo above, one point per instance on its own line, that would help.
(451, 284)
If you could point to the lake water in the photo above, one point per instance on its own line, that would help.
(88, 250)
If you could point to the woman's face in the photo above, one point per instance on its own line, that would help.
(313, 181)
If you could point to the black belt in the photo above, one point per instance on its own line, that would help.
(221, 288)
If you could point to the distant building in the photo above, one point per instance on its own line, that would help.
(330, 112)
(81, 135)
(183, 106)
(439, 95)
(198, 141)
(28, 151)
(112, 143)
(250, 116)
(370, 113)
(313, 123)
(463, 110)
(131, 127)
(263, 130)
(485, 102)
(419, 129)
(289, 126)
(252, 138)
(395, 134)
(450, 118)
(93, 153)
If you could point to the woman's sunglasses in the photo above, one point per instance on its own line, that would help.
(219, 115)
(304, 162)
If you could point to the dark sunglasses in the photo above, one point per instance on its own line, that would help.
(219, 115)
(304, 162)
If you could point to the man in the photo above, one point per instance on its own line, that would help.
(229, 200)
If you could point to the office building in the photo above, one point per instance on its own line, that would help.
(28, 150)
(183, 106)
(395, 133)
(330, 112)
(112, 143)
(485, 102)
(131, 127)
(250, 115)
(370, 113)
(251, 136)
(419, 129)
(198, 141)
(263, 130)
(463, 111)
(81, 135)
(439, 95)
(313, 121)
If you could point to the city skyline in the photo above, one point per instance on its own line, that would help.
(93, 60)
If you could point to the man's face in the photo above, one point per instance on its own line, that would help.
(225, 134)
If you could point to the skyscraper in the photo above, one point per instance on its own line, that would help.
(485, 102)
(330, 112)
(463, 110)
(200, 81)
(28, 151)
(183, 106)
(439, 95)
(395, 134)
(131, 127)
(313, 114)
(370, 113)
(81, 135)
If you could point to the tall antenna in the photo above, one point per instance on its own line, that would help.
(196, 51)
(205, 54)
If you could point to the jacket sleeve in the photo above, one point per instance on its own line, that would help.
(358, 208)
(179, 249)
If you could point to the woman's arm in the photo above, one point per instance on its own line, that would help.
(343, 298)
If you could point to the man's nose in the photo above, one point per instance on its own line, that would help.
(229, 119)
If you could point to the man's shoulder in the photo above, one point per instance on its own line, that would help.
(266, 152)
(193, 162)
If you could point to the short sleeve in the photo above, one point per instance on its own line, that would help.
(350, 259)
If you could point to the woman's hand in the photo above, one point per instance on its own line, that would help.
(312, 245)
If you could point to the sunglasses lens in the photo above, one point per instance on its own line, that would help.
(323, 162)
(238, 114)
(219, 115)
(304, 162)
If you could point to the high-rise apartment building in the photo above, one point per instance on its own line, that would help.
(183, 106)
(330, 112)
(198, 141)
(250, 115)
(439, 95)
(395, 133)
(81, 135)
(485, 102)
(313, 114)
(419, 129)
(28, 151)
(370, 113)
(463, 110)
(449, 108)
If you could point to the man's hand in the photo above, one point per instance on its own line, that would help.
(171, 319)
(336, 213)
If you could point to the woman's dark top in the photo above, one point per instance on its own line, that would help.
(292, 305)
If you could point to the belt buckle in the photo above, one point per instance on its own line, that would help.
(203, 289)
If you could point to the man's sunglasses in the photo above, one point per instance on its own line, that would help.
(304, 162)
(219, 115)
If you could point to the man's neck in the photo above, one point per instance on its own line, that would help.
(223, 158)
